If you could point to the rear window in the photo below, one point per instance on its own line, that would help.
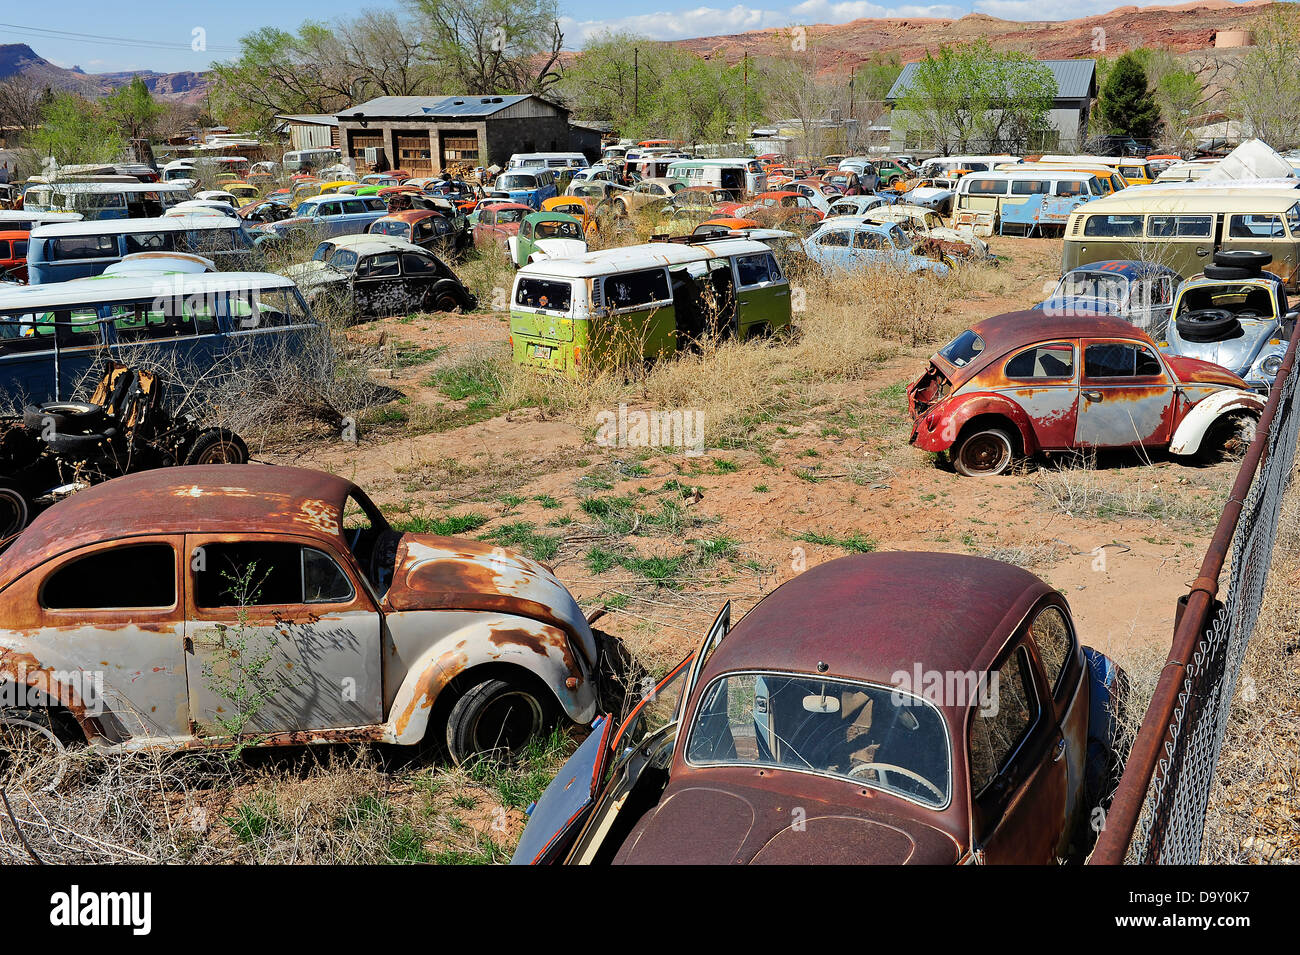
(963, 349)
(550, 294)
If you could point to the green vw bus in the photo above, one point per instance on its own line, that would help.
(608, 308)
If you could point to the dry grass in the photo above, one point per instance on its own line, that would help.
(1254, 809)
(1079, 489)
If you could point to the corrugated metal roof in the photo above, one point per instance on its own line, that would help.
(1075, 79)
(310, 119)
(433, 106)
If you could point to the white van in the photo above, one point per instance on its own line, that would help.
(298, 160)
(547, 161)
(947, 165)
(737, 175)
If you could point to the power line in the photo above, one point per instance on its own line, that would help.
(72, 37)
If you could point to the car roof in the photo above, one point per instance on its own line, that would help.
(1001, 333)
(859, 616)
(365, 243)
(101, 288)
(634, 257)
(1129, 268)
(197, 499)
(55, 230)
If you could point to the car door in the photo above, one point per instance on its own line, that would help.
(110, 617)
(1043, 380)
(1125, 395)
(377, 284)
(1016, 762)
(763, 294)
(280, 638)
(1263, 232)
(419, 273)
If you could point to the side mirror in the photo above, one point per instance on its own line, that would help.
(1292, 316)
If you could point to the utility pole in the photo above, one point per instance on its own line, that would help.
(636, 81)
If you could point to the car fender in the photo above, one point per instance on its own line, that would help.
(542, 650)
(1192, 429)
(950, 416)
(512, 246)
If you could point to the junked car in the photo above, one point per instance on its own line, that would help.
(849, 243)
(1137, 291)
(1236, 315)
(377, 275)
(1024, 383)
(544, 235)
(422, 227)
(823, 698)
(936, 194)
(127, 605)
(496, 224)
(857, 205)
(934, 239)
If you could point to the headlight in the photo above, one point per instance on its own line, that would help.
(1271, 365)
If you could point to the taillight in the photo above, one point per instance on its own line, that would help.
(577, 355)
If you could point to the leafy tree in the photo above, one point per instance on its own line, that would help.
(1126, 105)
(492, 46)
(1266, 92)
(133, 109)
(970, 98)
(73, 130)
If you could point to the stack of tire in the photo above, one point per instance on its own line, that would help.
(1218, 324)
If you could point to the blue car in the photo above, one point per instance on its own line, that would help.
(1136, 291)
(332, 214)
(850, 243)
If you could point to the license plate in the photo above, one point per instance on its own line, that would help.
(543, 352)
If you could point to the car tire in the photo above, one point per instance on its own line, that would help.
(983, 452)
(27, 733)
(1207, 325)
(1224, 272)
(496, 718)
(78, 444)
(1251, 260)
(1228, 437)
(15, 510)
(68, 417)
(217, 446)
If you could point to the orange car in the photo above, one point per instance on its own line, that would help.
(13, 255)
(580, 207)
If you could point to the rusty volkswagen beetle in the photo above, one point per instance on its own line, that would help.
(1026, 382)
(236, 604)
(835, 724)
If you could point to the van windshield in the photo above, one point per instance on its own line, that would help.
(517, 181)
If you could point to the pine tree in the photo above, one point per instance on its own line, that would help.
(1128, 108)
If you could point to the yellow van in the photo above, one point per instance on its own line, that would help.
(1183, 228)
(1136, 172)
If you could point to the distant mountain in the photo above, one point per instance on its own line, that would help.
(20, 59)
(1184, 28)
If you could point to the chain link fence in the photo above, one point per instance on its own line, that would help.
(1158, 814)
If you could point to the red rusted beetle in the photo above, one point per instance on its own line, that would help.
(835, 724)
(1026, 382)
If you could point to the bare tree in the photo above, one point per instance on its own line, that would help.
(1266, 94)
(20, 102)
(494, 46)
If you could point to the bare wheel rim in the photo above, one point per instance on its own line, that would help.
(507, 722)
(220, 452)
(985, 453)
(32, 758)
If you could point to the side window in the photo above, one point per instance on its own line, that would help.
(1256, 226)
(1182, 227)
(149, 241)
(413, 264)
(379, 266)
(354, 207)
(754, 269)
(98, 581)
(839, 238)
(867, 240)
(996, 731)
(266, 574)
(1055, 643)
(1119, 360)
(636, 289)
(1055, 360)
(84, 247)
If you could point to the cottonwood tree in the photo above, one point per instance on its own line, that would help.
(1266, 93)
(133, 110)
(972, 99)
(492, 46)
(73, 130)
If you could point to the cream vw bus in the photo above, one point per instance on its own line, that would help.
(1182, 229)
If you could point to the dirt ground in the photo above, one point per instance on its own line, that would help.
(829, 480)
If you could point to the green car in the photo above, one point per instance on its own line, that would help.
(890, 172)
(546, 235)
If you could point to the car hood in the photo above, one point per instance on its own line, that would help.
(561, 248)
(451, 573)
(703, 823)
(1236, 354)
(321, 276)
(1199, 371)
(929, 192)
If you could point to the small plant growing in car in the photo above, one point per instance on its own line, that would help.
(236, 661)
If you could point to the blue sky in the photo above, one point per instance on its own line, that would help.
(150, 34)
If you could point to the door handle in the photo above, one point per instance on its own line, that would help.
(1202, 252)
(1092, 395)
(1060, 750)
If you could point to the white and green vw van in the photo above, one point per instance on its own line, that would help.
(642, 302)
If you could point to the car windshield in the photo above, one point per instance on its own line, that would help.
(322, 252)
(1100, 286)
(963, 349)
(1244, 301)
(516, 181)
(556, 229)
(875, 736)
